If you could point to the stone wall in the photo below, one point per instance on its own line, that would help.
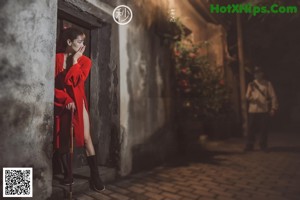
(28, 31)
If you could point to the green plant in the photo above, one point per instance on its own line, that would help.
(201, 89)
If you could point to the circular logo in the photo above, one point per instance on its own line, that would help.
(122, 14)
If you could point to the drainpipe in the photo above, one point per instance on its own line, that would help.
(242, 75)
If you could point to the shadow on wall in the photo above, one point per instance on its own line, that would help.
(155, 151)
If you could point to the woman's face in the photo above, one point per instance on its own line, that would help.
(75, 45)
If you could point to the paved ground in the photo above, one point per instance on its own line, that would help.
(225, 173)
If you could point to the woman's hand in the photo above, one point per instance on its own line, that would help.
(71, 106)
(78, 54)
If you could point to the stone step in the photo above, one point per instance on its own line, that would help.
(81, 182)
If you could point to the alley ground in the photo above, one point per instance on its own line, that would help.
(223, 173)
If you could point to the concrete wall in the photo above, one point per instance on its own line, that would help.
(147, 126)
(28, 31)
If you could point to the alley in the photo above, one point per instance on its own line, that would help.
(222, 173)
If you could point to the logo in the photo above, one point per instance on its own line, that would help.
(122, 15)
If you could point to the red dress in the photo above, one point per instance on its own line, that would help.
(69, 87)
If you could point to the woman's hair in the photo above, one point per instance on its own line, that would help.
(67, 34)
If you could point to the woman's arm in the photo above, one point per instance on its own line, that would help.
(62, 98)
(78, 72)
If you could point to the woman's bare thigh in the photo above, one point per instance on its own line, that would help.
(86, 123)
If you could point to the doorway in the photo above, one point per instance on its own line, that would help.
(97, 90)
(65, 21)
(102, 91)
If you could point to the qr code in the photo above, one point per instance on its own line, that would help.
(17, 182)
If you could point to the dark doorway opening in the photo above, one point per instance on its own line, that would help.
(98, 47)
(65, 21)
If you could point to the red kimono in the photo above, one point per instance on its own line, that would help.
(69, 87)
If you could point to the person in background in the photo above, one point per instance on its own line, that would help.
(263, 104)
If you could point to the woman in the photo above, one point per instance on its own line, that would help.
(71, 70)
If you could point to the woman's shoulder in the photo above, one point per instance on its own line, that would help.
(58, 56)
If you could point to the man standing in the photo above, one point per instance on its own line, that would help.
(262, 104)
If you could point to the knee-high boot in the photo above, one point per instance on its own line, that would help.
(65, 164)
(95, 180)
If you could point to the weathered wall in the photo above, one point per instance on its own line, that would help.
(201, 30)
(28, 31)
(191, 19)
(147, 128)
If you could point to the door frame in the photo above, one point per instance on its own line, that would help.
(100, 95)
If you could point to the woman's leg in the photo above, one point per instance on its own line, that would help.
(89, 147)
(95, 180)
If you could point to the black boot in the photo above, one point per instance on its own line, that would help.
(95, 180)
(67, 175)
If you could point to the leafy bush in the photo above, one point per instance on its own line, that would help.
(201, 89)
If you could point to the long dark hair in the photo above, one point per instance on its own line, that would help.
(67, 34)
